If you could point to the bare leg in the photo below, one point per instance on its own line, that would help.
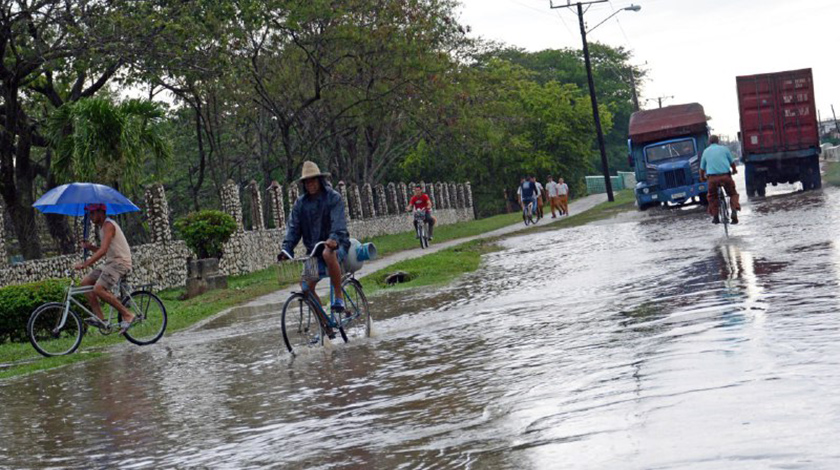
(92, 299)
(109, 298)
(334, 270)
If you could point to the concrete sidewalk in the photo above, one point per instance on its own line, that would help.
(278, 297)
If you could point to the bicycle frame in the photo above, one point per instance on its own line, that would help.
(73, 291)
(310, 295)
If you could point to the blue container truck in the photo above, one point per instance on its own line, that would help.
(665, 146)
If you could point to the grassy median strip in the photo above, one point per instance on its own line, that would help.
(832, 173)
(433, 269)
(387, 244)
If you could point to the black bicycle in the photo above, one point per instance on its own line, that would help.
(528, 214)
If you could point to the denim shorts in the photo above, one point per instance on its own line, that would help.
(341, 252)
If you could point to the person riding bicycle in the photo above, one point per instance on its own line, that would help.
(527, 194)
(318, 216)
(718, 165)
(117, 255)
(422, 202)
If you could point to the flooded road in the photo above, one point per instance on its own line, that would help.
(646, 342)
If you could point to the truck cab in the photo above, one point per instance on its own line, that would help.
(665, 147)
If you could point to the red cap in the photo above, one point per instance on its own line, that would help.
(95, 207)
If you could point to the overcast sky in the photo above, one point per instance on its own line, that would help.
(693, 49)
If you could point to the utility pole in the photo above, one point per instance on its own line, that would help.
(659, 99)
(635, 95)
(836, 126)
(604, 164)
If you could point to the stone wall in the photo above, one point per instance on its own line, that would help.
(163, 262)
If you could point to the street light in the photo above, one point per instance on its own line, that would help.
(604, 165)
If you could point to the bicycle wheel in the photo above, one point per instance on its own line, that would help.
(300, 325)
(418, 227)
(525, 217)
(357, 322)
(424, 236)
(149, 308)
(46, 336)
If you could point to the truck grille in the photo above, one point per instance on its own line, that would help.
(674, 179)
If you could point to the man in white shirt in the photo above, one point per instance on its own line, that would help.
(563, 195)
(552, 193)
(540, 195)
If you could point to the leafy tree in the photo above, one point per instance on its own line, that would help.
(96, 140)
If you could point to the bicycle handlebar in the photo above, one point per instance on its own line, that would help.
(289, 256)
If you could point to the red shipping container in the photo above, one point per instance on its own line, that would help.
(778, 112)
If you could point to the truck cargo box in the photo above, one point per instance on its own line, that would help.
(664, 123)
(778, 113)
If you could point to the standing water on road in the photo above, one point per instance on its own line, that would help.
(649, 341)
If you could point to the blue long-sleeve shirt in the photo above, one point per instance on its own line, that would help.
(316, 219)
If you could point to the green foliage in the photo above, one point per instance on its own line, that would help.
(18, 302)
(96, 140)
(206, 232)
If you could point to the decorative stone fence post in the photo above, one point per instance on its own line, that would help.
(342, 189)
(293, 195)
(468, 190)
(368, 208)
(356, 202)
(462, 198)
(453, 195)
(393, 202)
(381, 203)
(231, 203)
(4, 256)
(402, 195)
(430, 189)
(445, 203)
(157, 213)
(439, 196)
(275, 199)
(257, 219)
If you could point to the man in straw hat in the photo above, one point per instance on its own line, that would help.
(318, 216)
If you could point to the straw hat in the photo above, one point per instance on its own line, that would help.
(311, 170)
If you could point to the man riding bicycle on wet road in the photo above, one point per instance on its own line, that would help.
(718, 165)
(422, 202)
(318, 216)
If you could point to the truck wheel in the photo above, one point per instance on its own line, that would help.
(816, 180)
(761, 190)
(704, 200)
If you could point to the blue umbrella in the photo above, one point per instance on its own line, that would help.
(70, 199)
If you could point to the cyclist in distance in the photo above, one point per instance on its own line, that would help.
(527, 194)
(318, 216)
(718, 165)
(117, 264)
(422, 202)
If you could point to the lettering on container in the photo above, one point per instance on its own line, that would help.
(800, 111)
(754, 139)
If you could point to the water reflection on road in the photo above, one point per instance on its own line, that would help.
(651, 341)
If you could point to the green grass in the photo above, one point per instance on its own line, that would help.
(388, 244)
(181, 314)
(832, 173)
(433, 269)
(624, 201)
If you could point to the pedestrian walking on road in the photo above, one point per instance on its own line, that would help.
(540, 195)
(563, 196)
(551, 189)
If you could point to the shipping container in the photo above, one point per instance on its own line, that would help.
(779, 132)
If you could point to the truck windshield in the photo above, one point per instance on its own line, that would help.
(679, 148)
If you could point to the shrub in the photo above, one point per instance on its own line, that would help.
(206, 232)
(18, 302)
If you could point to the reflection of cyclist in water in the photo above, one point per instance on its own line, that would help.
(422, 202)
(718, 165)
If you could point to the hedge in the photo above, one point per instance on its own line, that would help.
(206, 232)
(18, 302)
